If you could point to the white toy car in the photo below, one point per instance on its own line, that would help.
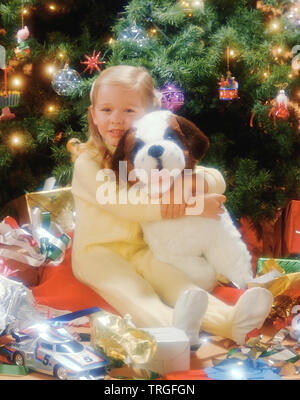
(54, 351)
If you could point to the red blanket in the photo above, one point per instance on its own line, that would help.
(59, 289)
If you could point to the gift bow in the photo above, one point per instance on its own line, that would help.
(34, 244)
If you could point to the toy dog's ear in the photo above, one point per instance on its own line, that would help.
(197, 141)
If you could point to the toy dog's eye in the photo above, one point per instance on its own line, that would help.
(171, 134)
(138, 145)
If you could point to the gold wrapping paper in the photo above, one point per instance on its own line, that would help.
(280, 285)
(59, 202)
(283, 283)
(282, 307)
(284, 290)
(271, 264)
(119, 340)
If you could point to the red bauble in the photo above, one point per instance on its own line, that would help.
(281, 111)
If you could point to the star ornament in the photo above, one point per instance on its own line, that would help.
(92, 62)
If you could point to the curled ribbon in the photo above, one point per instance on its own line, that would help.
(42, 242)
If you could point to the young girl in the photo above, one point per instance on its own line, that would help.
(109, 253)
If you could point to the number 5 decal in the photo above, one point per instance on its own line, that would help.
(46, 359)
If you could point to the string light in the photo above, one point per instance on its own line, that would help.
(25, 11)
(16, 139)
(61, 55)
(197, 3)
(52, 7)
(51, 108)
(275, 26)
(50, 69)
(16, 82)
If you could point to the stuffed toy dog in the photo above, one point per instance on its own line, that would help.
(201, 247)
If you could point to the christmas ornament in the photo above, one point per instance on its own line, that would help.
(58, 137)
(92, 62)
(27, 69)
(172, 97)
(22, 49)
(9, 98)
(228, 89)
(65, 81)
(296, 58)
(291, 13)
(296, 65)
(280, 110)
(7, 114)
(134, 34)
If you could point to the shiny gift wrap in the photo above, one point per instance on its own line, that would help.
(16, 306)
(59, 202)
(281, 312)
(284, 265)
(34, 244)
(120, 340)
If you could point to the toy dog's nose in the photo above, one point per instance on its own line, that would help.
(155, 151)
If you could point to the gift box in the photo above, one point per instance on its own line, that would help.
(283, 265)
(172, 353)
(59, 202)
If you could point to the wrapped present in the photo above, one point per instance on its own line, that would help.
(31, 245)
(59, 202)
(283, 265)
(120, 340)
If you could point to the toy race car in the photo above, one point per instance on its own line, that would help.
(54, 351)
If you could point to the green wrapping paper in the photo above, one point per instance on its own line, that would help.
(289, 266)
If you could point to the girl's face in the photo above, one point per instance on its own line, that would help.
(114, 111)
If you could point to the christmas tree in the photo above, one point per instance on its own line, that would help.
(235, 63)
(38, 39)
(194, 45)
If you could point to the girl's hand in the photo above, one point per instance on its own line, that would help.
(172, 210)
(207, 205)
(172, 202)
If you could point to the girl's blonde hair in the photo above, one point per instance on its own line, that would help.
(133, 78)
